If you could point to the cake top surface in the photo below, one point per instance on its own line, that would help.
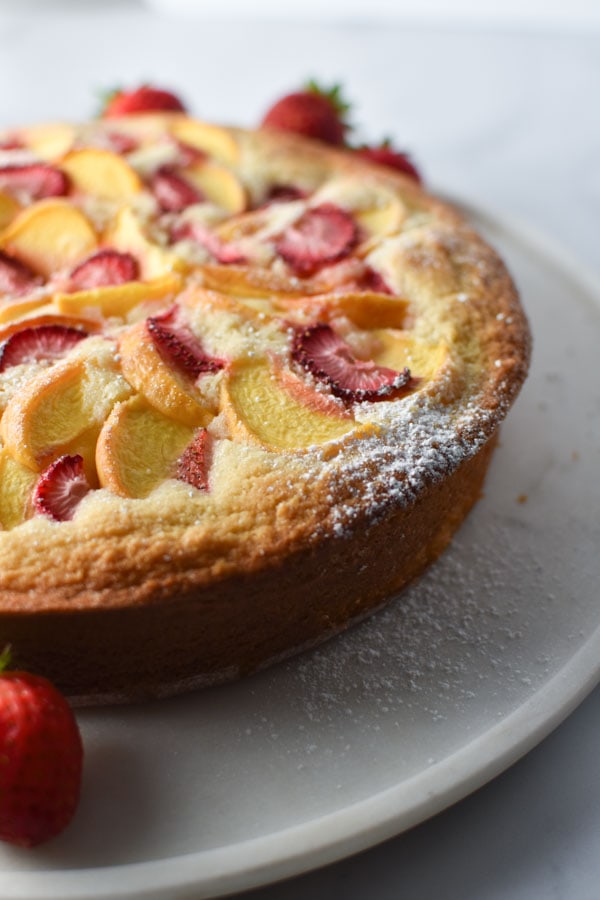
(217, 344)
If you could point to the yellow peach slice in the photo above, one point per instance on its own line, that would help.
(127, 235)
(16, 489)
(56, 407)
(259, 409)
(14, 310)
(167, 391)
(8, 209)
(50, 235)
(219, 185)
(101, 173)
(245, 281)
(399, 349)
(138, 447)
(383, 219)
(49, 141)
(119, 299)
(208, 138)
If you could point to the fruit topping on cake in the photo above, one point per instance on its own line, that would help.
(322, 352)
(61, 488)
(34, 181)
(173, 193)
(104, 268)
(192, 465)
(16, 278)
(42, 343)
(321, 236)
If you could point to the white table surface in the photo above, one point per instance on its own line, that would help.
(509, 119)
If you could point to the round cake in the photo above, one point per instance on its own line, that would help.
(249, 388)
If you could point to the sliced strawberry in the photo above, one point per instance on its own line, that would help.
(15, 277)
(323, 353)
(285, 193)
(226, 254)
(373, 281)
(187, 155)
(12, 142)
(192, 466)
(120, 142)
(173, 193)
(180, 347)
(104, 268)
(37, 344)
(140, 100)
(321, 236)
(35, 181)
(61, 488)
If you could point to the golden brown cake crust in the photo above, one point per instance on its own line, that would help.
(145, 596)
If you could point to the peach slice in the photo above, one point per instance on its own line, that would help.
(138, 448)
(126, 234)
(57, 406)
(49, 141)
(16, 489)
(15, 310)
(365, 309)
(259, 409)
(101, 173)
(164, 389)
(382, 219)
(245, 281)
(219, 185)
(208, 138)
(119, 299)
(50, 235)
(8, 209)
(397, 349)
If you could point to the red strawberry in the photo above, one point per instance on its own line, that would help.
(37, 344)
(222, 252)
(323, 353)
(140, 100)
(192, 466)
(312, 112)
(180, 347)
(41, 757)
(35, 181)
(323, 235)
(121, 143)
(61, 487)
(15, 277)
(284, 193)
(12, 142)
(172, 192)
(385, 155)
(104, 268)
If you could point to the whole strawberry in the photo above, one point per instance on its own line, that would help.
(312, 112)
(143, 99)
(385, 155)
(41, 758)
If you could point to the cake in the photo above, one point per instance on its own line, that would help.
(250, 386)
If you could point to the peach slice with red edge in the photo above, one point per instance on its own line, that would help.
(259, 409)
(17, 483)
(9, 207)
(218, 185)
(49, 236)
(102, 174)
(162, 383)
(210, 139)
(120, 299)
(49, 141)
(138, 448)
(246, 281)
(58, 405)
(49, 316)
(127, 235)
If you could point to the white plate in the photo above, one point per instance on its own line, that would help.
(334, 751)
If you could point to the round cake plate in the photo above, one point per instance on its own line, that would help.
(377, 730)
